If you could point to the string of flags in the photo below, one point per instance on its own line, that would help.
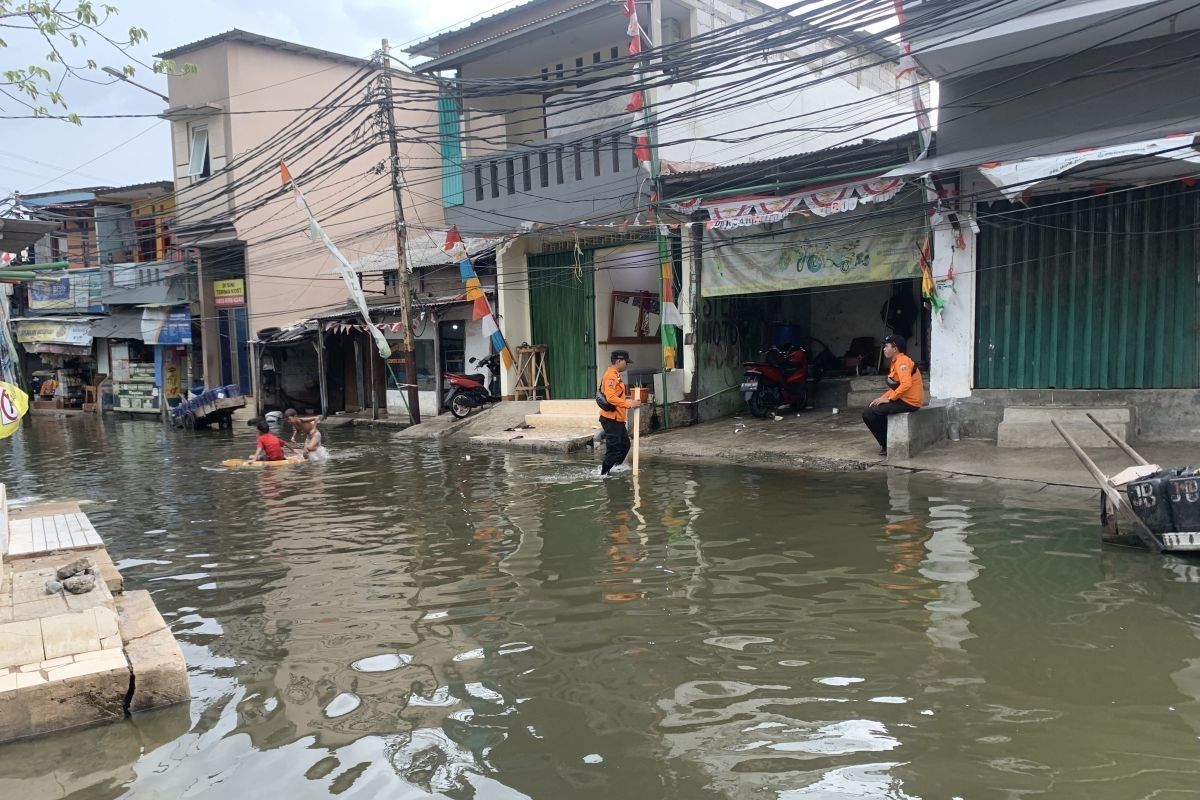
(728, 213)
(481, 308)
(637, 101)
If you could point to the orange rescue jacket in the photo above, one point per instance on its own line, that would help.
(614, 393)
(911, 389)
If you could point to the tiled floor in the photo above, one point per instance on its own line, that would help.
(56, 532)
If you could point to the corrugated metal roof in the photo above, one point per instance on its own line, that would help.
(246, 37)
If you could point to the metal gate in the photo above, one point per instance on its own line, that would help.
(1089, 292)
(563, 316)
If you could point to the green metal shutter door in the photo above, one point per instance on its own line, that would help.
(1095, 293)
(450, 140)
(563, 313)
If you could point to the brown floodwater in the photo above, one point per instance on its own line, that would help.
(410, 621)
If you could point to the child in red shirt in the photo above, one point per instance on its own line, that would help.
(270, 446)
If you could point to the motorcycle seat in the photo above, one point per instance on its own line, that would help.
(478, 378)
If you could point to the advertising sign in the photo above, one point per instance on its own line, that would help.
(229, 293)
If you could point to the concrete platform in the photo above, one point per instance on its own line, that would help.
(68, 660)
(1030, 426)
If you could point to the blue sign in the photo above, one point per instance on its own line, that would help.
(162, 327)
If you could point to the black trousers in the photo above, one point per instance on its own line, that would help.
(876, 418)
(616, 443)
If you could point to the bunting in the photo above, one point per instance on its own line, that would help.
(344, 269)
(480, 308)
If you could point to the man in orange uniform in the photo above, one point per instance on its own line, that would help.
(905, 391)
(614, 410)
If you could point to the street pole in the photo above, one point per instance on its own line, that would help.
(410, 362)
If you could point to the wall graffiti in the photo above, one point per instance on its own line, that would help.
(729, 332)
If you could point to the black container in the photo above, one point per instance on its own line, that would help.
(1183, 492)
(1150, 498)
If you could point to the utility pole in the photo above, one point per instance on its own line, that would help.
(410, 360)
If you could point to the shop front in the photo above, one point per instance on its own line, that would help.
(834, 284)
(59, 360)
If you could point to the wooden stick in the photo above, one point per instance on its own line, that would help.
(1118, 441)
(1143, 533)
(637, 430)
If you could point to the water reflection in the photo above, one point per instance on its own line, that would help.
(404, 621)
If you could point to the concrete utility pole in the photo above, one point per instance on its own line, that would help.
(410, 361)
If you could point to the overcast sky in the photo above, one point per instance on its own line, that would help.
(35, 154)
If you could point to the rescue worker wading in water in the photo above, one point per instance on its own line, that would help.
(614, 410)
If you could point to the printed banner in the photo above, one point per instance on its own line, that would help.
(167, 326)
(78, 292)
(814, 253)
(54, 332)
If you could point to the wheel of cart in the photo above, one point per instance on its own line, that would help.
(225, 421)
(188, 421)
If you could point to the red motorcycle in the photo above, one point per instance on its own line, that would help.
(469, 392)
(782, 379)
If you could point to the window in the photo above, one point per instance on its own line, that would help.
(391, 282)
(199, 165)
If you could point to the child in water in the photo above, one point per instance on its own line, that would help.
(270, 446)
(313, 450)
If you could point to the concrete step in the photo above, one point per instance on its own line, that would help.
(1030, 426)
(867, 383)
(1067, 414)
(569, 407)
(863, 399)
(584, 422)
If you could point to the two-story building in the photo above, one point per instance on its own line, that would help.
(541, 113)
(253, 103)
(1066, 156)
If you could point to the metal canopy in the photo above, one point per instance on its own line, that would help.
(17, 234)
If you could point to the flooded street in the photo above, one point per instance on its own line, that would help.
(409, 621)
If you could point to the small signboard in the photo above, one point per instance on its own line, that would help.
(229, 293)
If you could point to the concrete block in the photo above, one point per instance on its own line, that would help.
(106, 622)
(27, 679)
(138, 615)
(21, 643)
(868, 383)
(557, 421)
(68, 634)
(74, 701)
(568, 407)
(1029, 426)
(47, 606)
(909, 434)
(107, 660)
(8, 682)
(159, 672)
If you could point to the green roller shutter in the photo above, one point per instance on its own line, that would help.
(563, 316)
(1094, 292)
(450, 142)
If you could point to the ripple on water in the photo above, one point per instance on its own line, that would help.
(342, 705)
(737, 642)
(384, 662)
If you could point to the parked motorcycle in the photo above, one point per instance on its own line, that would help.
(469, 392)
(780, 379)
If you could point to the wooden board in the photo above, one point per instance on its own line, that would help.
(239, 463)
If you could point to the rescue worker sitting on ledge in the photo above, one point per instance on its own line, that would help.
(905, 391)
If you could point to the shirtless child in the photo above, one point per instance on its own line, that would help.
(307, 426)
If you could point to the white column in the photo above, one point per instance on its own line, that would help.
(512, 296)
(952, 332)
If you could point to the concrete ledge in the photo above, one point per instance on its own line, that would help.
(909, 434)
(1030, 426)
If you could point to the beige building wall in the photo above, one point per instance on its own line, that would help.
(248, 95)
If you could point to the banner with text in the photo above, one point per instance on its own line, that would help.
(866, 248)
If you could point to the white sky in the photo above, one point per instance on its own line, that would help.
(35, 153)
(42, 155)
